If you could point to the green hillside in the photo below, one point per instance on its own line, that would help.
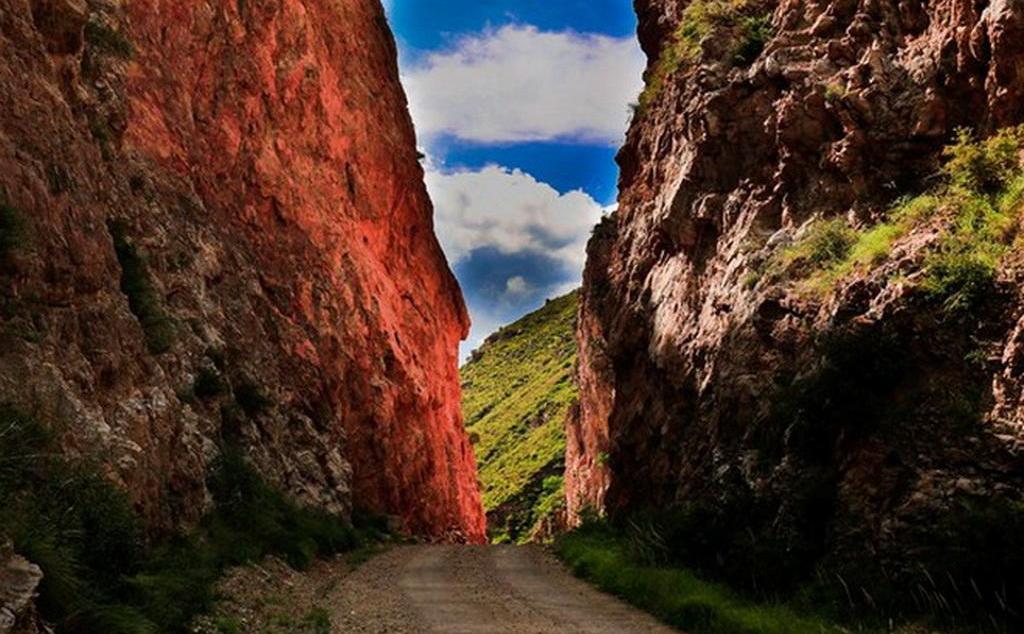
(516, 390)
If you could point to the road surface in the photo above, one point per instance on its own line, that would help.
(476, 590)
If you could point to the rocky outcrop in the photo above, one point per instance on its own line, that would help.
(837, 416)
(216, 231)
(19, 581)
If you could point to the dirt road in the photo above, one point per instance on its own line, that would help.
(479, 590)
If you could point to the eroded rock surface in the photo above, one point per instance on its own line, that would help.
(692, 368)
(221, 234)
(19, 582)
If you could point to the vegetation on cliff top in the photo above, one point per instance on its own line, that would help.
(516, 391)
(743, 25)
(101, 575)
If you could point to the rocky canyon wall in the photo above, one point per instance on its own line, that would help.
(215, 230)
(850, 416)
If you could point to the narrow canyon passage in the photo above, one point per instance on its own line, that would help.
(476, 589)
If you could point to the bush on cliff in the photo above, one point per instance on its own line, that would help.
(108, 40)
(12, 228)
(143, 299)
(100, 575)
(208, 383)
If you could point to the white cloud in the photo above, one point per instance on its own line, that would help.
(511, 211)
(520, 84)
(517, 286)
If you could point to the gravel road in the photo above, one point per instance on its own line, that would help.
(475, 589)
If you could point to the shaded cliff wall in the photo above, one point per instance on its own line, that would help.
(223, 236)
(703, 378)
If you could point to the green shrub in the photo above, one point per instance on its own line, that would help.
(825, 243)
(978, 210)
(986, 183)
(80, 530)
(835, 92)
(12, 228)
(208, 383)
(960, 277)
(748, 35)
(108, 40)
(228, 625)
(251, 398)
(143, 299)
(318, 621)
(984, 166)
(675, 595)
(270, 522)
(552, 484)
(754, 33)
(98, 574)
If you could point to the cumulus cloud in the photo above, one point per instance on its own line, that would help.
(518, 83)
(512, 212)
(517, 286)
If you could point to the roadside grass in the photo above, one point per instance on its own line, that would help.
(674, 595)
(100, 572)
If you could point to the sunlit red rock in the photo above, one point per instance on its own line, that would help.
(261, 157)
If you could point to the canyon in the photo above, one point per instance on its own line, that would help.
(734, 367)
(797, 352)
(215, 231)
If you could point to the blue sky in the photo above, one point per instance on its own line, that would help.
(520, 106)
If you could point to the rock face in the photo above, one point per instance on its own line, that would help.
(19, 580)
(216, 230)
(693, 363)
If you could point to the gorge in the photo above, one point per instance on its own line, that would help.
(794, 366)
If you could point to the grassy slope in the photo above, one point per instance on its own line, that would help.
(516, 392)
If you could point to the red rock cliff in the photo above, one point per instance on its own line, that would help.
(707, 378)
(255, 166)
